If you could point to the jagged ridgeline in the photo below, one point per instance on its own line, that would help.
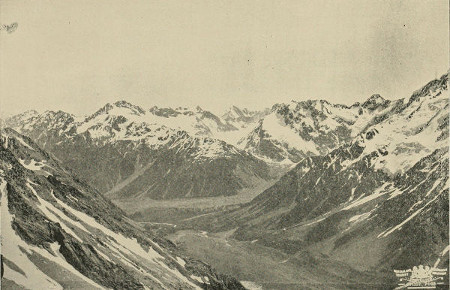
(58, 232)
(126, 152)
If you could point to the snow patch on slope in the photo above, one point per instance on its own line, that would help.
(11, 250)
(280, 132)
(400, 225)
(56, 215)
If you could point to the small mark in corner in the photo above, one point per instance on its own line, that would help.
(9, 28)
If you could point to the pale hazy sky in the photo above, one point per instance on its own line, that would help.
(77, 55)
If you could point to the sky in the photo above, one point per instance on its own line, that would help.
(77, 55)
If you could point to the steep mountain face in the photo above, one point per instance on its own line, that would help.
(192, 167)
(308, 128)
(57, 233)
(127, 151)
(377, 203)
(197, 122)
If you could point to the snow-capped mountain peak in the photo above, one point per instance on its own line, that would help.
(316, 126)
(118, 108)
(134, 108)
(375, 101)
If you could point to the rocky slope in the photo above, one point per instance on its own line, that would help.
(377, 203)
(57, 233)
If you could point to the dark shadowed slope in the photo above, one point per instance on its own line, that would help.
(59, 233)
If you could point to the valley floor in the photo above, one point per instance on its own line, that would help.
(261, 267)
(168, 211)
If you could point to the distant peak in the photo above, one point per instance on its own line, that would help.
(128, 105)
(164, 112)
(30, 112)
(25, 115)
(233, 112)
(57, 112)
(432, 86)
(374, 101)
(235, 108)
(118, 104)
(124, 104)
(309, 102)
(376, 97)
(105, 109)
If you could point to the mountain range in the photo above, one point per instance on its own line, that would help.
(360, 189)
(166, 153)
(123, 149)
